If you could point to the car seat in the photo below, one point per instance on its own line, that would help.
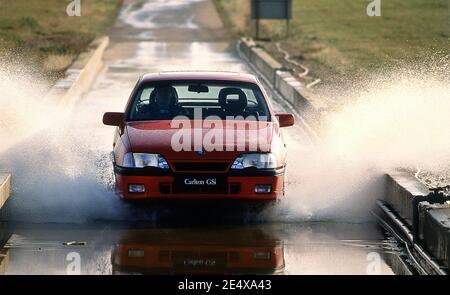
(233, 107)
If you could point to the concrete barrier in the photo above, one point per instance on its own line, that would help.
(5, 188)
(313, 108)
(266, 64)
(404, 193)
(435, 231)
(82, 73)
(5, 234)
(310, 106)
(288, 86)
(4, 260)
(246, 45)
(260, 59)
(397, 264)
(401, 188)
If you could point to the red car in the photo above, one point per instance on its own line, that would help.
(214, 251)
(199, 135)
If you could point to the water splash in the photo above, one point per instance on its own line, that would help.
(398, 119)
(389, 120)
(57, 177)
(23, 106)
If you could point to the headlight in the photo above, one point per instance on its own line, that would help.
(259, 161)
(138, 160)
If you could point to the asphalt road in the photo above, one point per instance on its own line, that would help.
(69, 198)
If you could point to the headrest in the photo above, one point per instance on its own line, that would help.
(168, 91)
(226, 103)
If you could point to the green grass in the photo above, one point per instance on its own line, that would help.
(40, 33)
(339, 35)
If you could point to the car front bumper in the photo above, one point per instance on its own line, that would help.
(161, 184)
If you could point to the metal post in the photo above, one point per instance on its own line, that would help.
(257, 18)
(257, 29)
(288, 28)
(288, 22)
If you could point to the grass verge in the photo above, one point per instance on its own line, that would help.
(41, 34)
(338, 37)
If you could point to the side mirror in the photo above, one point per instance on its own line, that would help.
(285, 119)
(113, 119)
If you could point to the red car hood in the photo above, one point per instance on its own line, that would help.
(156, 137)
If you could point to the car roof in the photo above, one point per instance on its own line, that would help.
(198, 75)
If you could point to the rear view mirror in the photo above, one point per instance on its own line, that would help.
(113, 119)
(285, 119)
(198, 88)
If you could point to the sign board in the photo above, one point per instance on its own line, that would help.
(271, 9)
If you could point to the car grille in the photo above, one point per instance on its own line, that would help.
(200, 166)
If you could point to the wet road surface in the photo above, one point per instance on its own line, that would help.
(115, 237)
(318, 248)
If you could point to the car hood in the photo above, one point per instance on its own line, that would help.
(157, 137)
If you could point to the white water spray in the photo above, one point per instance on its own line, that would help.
(395, 120)
(60, 157)
(57, 176)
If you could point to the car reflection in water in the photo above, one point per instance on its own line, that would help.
(251, 251)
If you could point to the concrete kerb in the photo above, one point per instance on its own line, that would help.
(401, 188)
(245, 45)
(435, 230)
(5, 188)
(403, 193)
(310, 106)
(4, 260)
(267, 65)
(81, 74)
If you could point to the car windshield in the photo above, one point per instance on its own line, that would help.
(198, 100)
